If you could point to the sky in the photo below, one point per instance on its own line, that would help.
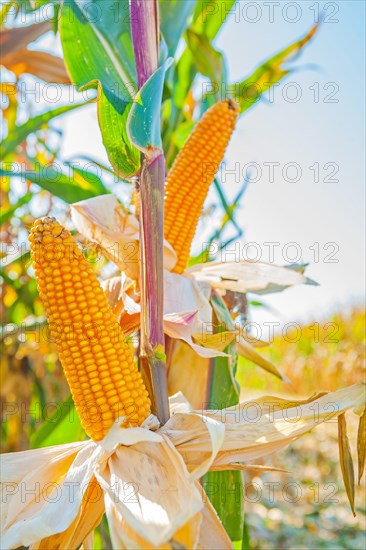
(306, 132)
(305, 145)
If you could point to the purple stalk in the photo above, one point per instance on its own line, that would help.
(145, 37)
(145, 33)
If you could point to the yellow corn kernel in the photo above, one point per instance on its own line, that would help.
(78, 342)
(191, 175)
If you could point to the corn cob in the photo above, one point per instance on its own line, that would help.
(191, 175)
(104, 380)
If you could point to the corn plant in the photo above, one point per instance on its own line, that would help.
(160, 420)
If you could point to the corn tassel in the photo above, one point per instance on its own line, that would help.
(191, 175)
(104, 380)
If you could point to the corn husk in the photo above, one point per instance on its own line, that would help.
(161, 466)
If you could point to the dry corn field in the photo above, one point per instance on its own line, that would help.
(309, 503)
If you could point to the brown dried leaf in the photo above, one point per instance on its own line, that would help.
(171, 490)
(249, 436)
(246, 276)
(14, 40)
(118, 291)
(255, 342)
(346, 461)
(189, 374)
(43, 65)
(212, 532)
(361, 445)
(104, 221)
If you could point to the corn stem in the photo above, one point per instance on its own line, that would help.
(145, 34)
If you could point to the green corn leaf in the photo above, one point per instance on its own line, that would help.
(225, 489)
(210, 16)
(23, 256)
(207, 20)
(174, 15)
(98, 52)
(63, 426)
(298, 267)
(97, 46)
(245, 542)
(124, 157)
(5, 216)
(143, 124)
(20, 133)
(80, 186)
(249, 91)
(4, 12)
(210, 62)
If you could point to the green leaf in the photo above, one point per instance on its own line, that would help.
(5, 216)
(103, 167)
(210, 16)
(97, 45)
(186, 71)
(207, 20)
(143, 124)
(20, 133)
(229, 210)
(63, 426)
(23, 256)
(124, 157)
(256, 303)
(4, 12)
(82, 185)
(245, 542)
(88, 181)
(174, 15)
(210, 62)
(249, 91)
(96, 41)
(225, 489)
(183, 76)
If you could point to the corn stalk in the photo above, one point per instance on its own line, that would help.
(145, 37)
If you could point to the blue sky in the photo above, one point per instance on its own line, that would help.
(307, 132)
(324, 218)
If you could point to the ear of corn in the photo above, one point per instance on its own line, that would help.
(191, 175)
(104, 380)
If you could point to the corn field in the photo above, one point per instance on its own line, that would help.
(139, 408)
